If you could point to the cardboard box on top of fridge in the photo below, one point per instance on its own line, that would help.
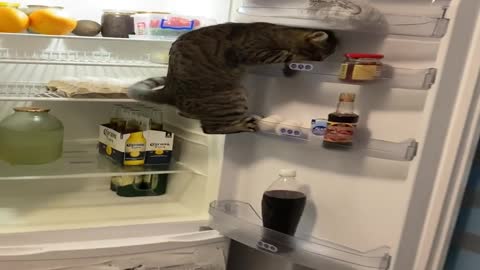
(150, 147)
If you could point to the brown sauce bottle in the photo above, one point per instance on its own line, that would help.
(342, 123)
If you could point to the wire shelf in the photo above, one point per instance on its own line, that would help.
(24, 91)
(82, 58)
(95, 38)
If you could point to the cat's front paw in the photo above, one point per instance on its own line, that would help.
(251, 123)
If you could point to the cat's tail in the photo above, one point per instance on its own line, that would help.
(152, 90)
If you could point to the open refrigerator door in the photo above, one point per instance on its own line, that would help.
(356, 200)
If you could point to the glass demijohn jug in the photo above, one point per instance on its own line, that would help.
(31, 136)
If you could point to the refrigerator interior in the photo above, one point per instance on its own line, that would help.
(359, 198)
(74, 193)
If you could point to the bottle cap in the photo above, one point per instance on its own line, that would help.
(288, 173)
(364, 55)
(347, 97)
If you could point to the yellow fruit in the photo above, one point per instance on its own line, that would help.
(159, 152)
(51, 21)
(12, 20)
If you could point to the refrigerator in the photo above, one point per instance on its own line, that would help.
(389, 202)
(463, 251)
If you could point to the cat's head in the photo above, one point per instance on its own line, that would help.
(315, 45)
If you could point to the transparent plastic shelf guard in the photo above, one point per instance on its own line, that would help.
(80, 159)
(399, 151)
(354, 18)
(391, 77)
(81, 58)
(95, 38)
(27, 91)
(240, 222)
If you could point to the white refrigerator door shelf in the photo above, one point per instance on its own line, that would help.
(192, 250)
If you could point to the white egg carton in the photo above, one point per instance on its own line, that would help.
(276, 125)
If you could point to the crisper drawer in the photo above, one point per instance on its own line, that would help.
(202, 250)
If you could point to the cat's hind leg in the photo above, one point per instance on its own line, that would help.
(245, 124)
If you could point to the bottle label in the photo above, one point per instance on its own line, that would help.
(340, 132)
(319, 127)
(365, 72)
(135, 152)
(135, 148)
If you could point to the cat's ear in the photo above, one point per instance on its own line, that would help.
(317, 38)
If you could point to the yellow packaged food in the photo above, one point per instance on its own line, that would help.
(12, 20)
(51, 21)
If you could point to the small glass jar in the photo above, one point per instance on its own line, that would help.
(117, 23)
(31, 136)
(359, 67)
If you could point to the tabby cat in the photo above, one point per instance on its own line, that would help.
(206, 67)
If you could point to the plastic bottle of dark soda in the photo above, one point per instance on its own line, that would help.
(283, 203)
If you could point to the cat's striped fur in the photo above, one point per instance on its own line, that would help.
(206, 67)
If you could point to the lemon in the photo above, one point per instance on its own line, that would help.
(159, 152)
(12, 20)
(109, 150)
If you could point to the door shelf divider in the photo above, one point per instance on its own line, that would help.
(75, 58)
(375, 22)
(392, 77)
(240, 222)
(30, 91)
(399, 151)
(80, 159)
